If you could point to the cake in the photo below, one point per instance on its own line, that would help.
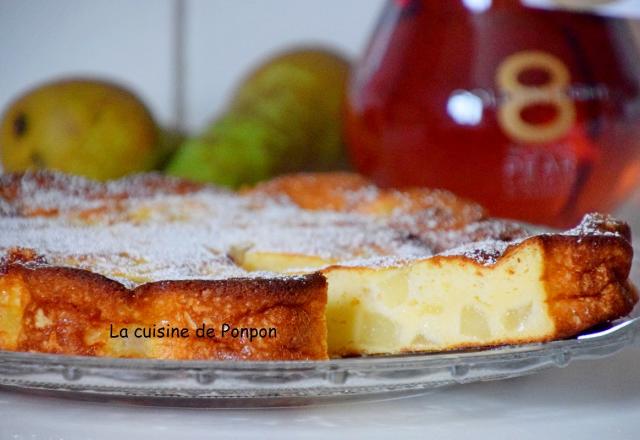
(306, 266)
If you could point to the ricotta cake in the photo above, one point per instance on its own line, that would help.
(301, 267)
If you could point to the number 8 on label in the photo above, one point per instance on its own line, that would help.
(519, 96)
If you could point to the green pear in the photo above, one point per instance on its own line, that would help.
(286, 116)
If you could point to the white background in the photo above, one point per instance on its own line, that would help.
(132, 42)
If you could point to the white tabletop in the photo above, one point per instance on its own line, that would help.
(595, 399)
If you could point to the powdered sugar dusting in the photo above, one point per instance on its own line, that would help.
(160, 235)
(597, 224)
(151, 228)
(486, 252)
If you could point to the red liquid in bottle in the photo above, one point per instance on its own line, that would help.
(534, 113)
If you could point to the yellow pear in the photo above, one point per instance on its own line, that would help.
(87, 127)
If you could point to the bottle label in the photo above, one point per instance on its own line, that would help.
(613, 8)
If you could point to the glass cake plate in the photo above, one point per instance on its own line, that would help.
(267, 383)
(237, 384)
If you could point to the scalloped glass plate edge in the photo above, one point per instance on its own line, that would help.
(264, 384)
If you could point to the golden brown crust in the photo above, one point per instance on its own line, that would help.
(314, 190)
(587, 281)
(73, 311)
(348, 192)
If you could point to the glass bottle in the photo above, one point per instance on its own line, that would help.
(534, 113)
